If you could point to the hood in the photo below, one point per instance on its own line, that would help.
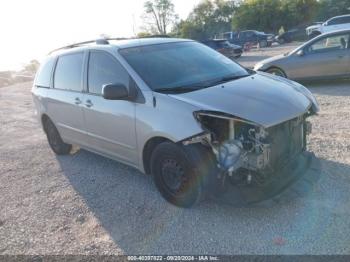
(236, 46)
(259, 98)
(313, 27)
(262, 65)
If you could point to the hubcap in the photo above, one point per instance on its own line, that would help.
(173, 175)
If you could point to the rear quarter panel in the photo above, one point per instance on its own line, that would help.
(39, 99)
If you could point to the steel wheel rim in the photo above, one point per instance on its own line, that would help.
(173, 176)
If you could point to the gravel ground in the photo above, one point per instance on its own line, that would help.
(87, 204)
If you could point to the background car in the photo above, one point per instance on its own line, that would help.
(225, 47)
(325, 57)
(310, 31)
(251, 36)
(335, 23)
(296, 34)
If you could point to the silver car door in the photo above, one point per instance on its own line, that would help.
(110, 123)
(65, 98)
(324, 58)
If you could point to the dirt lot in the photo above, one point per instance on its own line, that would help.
(87, 204)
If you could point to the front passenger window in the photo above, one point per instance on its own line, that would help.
(104, 69)
(331, 43)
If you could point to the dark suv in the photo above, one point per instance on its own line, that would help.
(225, 47)
(251, 36)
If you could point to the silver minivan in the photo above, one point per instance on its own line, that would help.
(196, 121)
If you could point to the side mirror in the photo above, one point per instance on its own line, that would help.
(115, 92)
(301, 53)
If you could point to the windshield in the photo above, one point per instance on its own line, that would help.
(181, 64)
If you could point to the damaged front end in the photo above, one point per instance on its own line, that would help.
(248, 153)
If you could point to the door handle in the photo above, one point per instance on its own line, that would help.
(89, 103)
(77, 101)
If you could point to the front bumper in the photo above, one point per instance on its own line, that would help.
(306, 165)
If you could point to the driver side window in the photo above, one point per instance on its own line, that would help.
(328, 44)
(104, 69)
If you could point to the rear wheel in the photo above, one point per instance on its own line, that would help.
(281, 41)
(263, 43)
(55, 141)
(181, 173)
(276, 71)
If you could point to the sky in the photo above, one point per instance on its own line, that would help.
(29, 29)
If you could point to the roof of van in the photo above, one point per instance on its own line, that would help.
(117, 43)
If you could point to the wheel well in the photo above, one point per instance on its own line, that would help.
(148, 150)
(276, 67)
(44, 119)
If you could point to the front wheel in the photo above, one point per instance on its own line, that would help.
(277, 72)
(181, 173)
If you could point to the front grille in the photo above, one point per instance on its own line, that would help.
(287, 141)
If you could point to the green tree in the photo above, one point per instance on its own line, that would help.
(143, 34)
(208, 18)
(330, 8)
(270, 15)
(159, 16)
(32, 66)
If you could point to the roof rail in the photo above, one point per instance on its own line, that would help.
(100, 41)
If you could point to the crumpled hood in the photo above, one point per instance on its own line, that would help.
(259, 98)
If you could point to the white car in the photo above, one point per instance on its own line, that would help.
(333, 24)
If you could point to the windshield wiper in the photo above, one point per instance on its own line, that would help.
(176, 90)
(228, 79)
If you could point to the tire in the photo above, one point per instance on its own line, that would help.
(281, 41)
(276, 71)
(55, 141)
(262, 44)
(182, 173)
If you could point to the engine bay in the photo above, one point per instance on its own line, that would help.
(247, 152)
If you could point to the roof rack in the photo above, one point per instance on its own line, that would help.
(100, 41)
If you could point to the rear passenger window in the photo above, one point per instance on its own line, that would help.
(104, 69)
(68, 73)
(43, 77)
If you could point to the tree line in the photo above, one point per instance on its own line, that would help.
(212, 17)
